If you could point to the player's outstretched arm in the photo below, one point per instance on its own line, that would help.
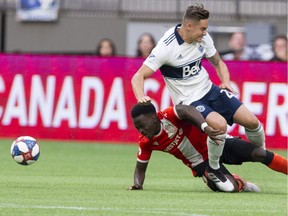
(137, 82)
(139, 176)
(192, 115)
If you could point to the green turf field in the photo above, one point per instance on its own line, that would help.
(91, 179)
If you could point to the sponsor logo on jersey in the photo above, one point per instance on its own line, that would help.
(191, 70)
(174, 143)
(182, 71)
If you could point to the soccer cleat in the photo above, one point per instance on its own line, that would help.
(223, 183)
(251, 187)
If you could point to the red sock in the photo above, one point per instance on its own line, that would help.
(279, 164)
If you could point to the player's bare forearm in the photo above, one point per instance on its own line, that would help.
(222, 72)
(221, 68)
(215, 59)
(190, 114)
(138, 83)
(139, 176)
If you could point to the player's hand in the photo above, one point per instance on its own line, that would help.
(135, 187)
(228, 87)
(144, 99)
(215, 135)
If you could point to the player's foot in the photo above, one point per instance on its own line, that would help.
(251, 187)
(223, 183)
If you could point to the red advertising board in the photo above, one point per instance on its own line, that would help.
(89, 98)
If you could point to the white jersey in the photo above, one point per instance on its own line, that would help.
(180, 64)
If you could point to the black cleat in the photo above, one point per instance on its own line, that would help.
(223, 183)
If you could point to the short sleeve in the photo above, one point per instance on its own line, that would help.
(171, 113)
(144, 152)
(210, 48)
(157, 58)
(143, 155)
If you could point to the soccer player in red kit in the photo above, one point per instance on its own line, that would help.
(176, 130)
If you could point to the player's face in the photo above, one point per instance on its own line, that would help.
(197, 30)
(147, 125)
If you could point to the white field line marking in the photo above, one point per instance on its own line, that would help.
(78, 208)
(162, 211)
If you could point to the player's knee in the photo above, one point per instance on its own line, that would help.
(216, 121)
(222, 127)
(258, 155)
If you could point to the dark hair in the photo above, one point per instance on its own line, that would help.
(142, 108)
(139, 52)
(110, 43)
(196, 12)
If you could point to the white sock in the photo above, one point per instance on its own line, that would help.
(256, 136)
(215, 152)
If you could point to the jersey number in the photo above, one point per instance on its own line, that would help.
(229, 94)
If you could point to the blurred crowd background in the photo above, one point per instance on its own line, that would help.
(241, 29)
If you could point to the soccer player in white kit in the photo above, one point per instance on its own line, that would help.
(178, 55)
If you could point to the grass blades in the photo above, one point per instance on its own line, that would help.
(91, 179)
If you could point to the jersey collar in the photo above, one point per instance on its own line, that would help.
(178, 37)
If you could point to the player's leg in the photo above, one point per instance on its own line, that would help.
(237, 151)
(272, 160)
(234, 111)
(253, 128)
(216, 121)
(214, 172)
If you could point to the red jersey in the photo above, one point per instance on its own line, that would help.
(177, 137)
